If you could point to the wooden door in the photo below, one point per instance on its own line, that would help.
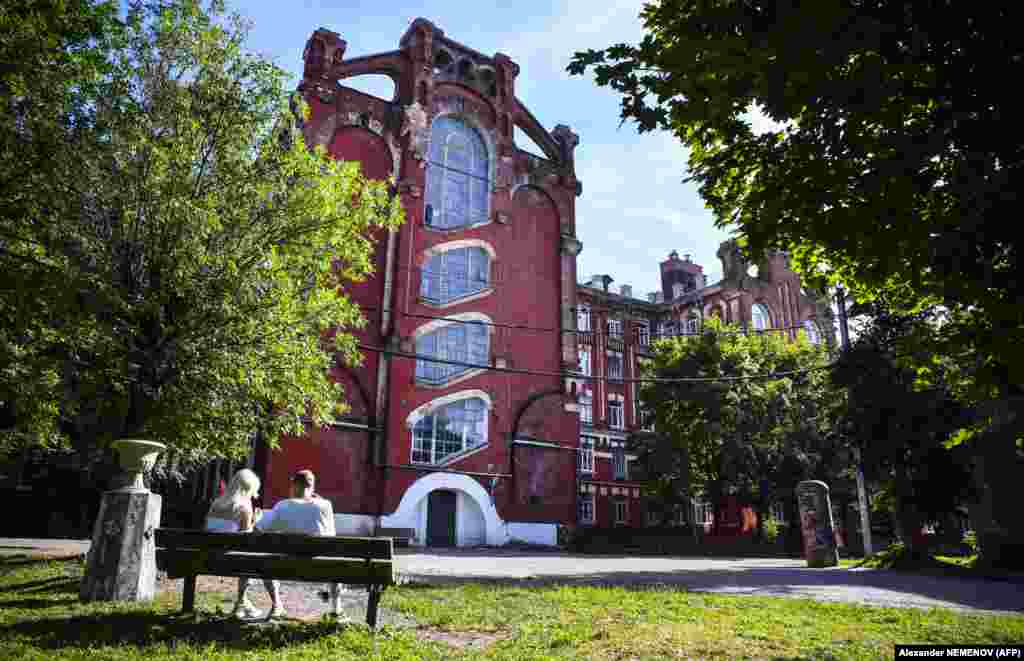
(441, 518)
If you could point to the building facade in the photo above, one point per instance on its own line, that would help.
(471, 419)
(471, 450)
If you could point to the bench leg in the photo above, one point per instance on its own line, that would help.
(188, 601)
(371, 605)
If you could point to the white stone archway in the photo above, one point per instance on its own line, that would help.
(476, 519)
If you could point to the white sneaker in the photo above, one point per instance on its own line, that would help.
(277, 611)
(246, 612)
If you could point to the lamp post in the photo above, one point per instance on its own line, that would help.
(862, 496)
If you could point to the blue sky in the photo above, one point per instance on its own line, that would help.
(634, 208)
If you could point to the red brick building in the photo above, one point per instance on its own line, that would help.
(472, 451)
(463, 455)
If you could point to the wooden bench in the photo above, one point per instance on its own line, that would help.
(402, 536)
(351, 560)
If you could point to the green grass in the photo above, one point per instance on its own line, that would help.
(41, 618)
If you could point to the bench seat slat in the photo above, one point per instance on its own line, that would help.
(377, 548)
(179, 563)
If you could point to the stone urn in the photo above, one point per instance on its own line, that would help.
(135, 457)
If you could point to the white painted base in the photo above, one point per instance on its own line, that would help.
(358, 525)
(541, 534)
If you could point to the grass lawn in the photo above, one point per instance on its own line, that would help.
(41, 618)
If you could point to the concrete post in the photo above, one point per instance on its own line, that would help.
(816, 524)
(122, 558)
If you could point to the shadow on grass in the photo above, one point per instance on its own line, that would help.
(57, 584)
(146, 629)
(37, 603)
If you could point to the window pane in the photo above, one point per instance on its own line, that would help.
(458, 178)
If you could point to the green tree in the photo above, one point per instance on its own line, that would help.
(892, 168)
(902, 410)
(737, 431)
(176, 270)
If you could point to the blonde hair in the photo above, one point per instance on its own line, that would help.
(242, 487)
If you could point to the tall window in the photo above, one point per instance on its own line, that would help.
(454, 274)
(458, 175)
(643, 333)
(812, 332)
(465, 342)
(449, 431)
(615, 365)
(586, 408)
(621, 511)
(619, 464)
(668, 328)
(614, 328)
(585, 362)
(615, 414)
(759, 317)
(702, 512)
(692, 325)
(644, 417)
(586, 505)
(583, 318)
(586, 454)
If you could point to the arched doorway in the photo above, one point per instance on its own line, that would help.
(441, 511)
(475, 519)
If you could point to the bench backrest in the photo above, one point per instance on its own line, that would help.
(368, 548)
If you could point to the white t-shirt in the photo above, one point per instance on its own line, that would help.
(308, 517)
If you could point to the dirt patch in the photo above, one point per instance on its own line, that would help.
(302, 601)
(475, 640)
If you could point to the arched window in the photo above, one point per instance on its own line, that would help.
(455, 273)
(450, 431)
(458, 186)
(812, 332)
(759, 317)
(464, 342)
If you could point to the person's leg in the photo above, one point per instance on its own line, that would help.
(336, 589)
(244, 607)
(274, 590)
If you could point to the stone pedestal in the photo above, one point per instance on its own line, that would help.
(122, 558)
(816, 524)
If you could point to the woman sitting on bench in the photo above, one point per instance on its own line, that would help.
(233, 512)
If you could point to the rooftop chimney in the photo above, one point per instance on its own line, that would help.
(626, 290)
(686, 257)
(597, 281)
(652, 297)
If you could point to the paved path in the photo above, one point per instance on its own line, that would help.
(764, 577)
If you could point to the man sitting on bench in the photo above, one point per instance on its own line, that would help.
(307, 514)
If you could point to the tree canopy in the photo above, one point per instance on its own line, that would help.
(756, 435)
(174, 271)
(896, 160)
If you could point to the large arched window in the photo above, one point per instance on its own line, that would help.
(455, 273)
(449, 431)
(759, 317)
(458, 175)
(464, 342)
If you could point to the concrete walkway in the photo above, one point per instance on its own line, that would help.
(761, 577)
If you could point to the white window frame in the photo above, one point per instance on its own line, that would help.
(620, 465)
(703, 512)
(585, 366)
(644, 418)
(667, 328)
(620, 509)
(778, 513)
(437, 267)
(811, 329)
(442, 343)
(444, 180)
(691, 325)
(643, 333)
(585, 509)
(614, 327)
(583, 318)
(586, 402)
(616, 421)
(678, 289)
(760, 317)
(437, 458)
(615, 374)
(586, 460)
